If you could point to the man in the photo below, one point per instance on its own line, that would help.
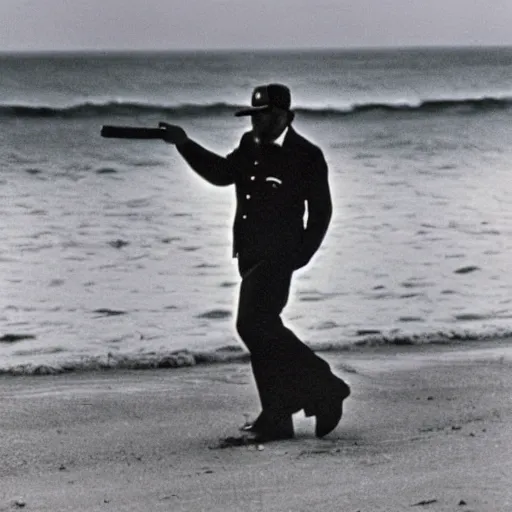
(276, 172)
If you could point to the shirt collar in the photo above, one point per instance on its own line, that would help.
(279, 141)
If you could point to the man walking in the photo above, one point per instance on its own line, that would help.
(276, 172)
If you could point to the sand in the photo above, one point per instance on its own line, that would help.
(425, 429)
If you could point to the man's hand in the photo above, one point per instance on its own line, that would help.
(173, 134)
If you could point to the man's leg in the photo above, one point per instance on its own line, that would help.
(288, 374)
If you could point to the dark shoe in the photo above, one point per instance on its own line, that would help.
(328, 411)
(267, 428)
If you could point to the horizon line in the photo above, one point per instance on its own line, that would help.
(349, 48)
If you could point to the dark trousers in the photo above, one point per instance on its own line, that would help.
(288, 374)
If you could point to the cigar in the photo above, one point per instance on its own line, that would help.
(131, 132)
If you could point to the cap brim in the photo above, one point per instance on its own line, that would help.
(251, 111)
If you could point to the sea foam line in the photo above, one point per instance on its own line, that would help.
(233, 354)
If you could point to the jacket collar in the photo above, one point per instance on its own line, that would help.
(280, 140)
(290, 137)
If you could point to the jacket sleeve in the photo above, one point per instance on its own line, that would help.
(213, 168)
(319, 210)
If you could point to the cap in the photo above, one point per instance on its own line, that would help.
(267, 96)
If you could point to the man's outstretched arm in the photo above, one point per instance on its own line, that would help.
(212, 167)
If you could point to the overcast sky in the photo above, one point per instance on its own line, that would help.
(204, 24)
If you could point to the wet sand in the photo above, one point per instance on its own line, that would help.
(427, 428)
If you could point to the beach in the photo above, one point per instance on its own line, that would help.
(121, 374)
(426, 428)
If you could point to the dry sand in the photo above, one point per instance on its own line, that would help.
(427, 429)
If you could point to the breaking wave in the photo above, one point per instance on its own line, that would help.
(110, 361)
(232, 354)
(113, 108)
(90, 109)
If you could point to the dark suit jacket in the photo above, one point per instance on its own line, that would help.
(273, 186)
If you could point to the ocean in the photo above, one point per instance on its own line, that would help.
(114, 253)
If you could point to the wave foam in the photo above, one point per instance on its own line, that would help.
(425, 338)
(109, 361)
(231, 354)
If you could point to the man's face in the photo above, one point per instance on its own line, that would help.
(269, 124)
